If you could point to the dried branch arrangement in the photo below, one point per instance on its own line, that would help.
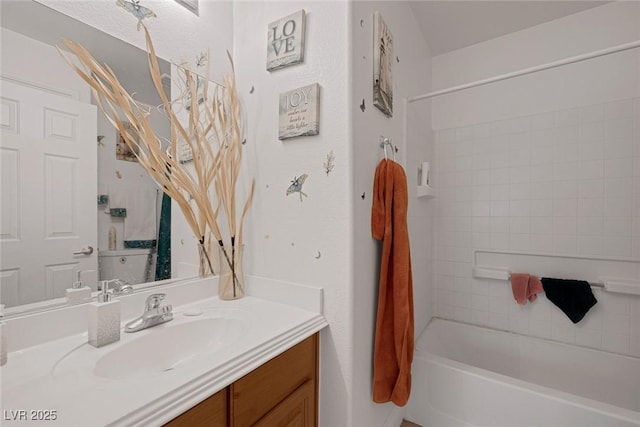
(211, 130)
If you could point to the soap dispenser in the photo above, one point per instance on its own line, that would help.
(104, 318)
(78, 291)
(3, 338)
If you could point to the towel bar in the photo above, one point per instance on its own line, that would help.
(496, 274)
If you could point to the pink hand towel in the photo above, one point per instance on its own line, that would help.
(525, 287)
(535, 287)
(520, 287)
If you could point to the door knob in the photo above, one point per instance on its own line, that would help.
(85, 251)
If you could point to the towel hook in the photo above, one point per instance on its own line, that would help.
(384, 143)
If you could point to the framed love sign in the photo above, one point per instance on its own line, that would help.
(286, 41)
(299, 112)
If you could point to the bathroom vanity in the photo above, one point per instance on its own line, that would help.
(252, 361)
(283, 391)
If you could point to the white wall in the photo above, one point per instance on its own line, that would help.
(22, 58)
(286, 235)
(590, 82)
(411, 76)
(177, 33)
(546, 163)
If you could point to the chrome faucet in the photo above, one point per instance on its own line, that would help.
(118, 286)
(154, 314)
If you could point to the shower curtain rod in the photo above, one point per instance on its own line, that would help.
(566, 61)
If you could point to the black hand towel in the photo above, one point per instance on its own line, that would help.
(573, 297)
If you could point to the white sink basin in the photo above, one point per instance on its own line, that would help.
(154, 351)
(165, 349)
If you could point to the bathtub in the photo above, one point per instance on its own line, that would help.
(465, 375)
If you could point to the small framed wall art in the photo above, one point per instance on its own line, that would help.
(382, 76)
(123, 152)
(299, 112)
(286, 41)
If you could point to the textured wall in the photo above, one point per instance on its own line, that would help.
(306, 242)
(410, 130)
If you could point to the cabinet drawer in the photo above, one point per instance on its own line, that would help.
(211, 412)
(260, 391)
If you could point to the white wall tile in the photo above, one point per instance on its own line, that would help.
(519, 242)
(618, 207)
(480, 302)
(565, 244)
(634, 348)
(500, 224)
(591, 132)
(617, 227)
(591, 169)
(618, 168)
(542, 225)
(542, 173)
(591, 151)
(565, 153)
(616, 343)
(560, 182)
(565, 225)
(542, 155)
(480, 317)
(500, 176)
(619, 148)
(589, 337)
(541, 242)
(590, 245)
(591, 188)
(498, 321)
(481, 224)
(591, 207)
(566, 117)
(617, 246)
(592, 113)
(619, 110)
(541, 208)
(520, 174)
(546, 121)
(565, 189)
(500, 241)
(565, 135)
(519, 208)
(499, 208)
(565, 207)
(500, 192)
(619, 129)
(541, 190)
(590, 226)
(520, 225)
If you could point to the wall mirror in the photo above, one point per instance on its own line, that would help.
(73, 198)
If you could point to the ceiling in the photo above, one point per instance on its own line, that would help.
(44, 24)
(451, 25)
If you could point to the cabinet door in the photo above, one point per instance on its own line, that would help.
(259, 392)
(211, 412)
(297, 410)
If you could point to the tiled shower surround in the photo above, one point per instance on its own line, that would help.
(565, 182)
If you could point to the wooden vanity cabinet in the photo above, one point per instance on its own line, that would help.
(282, 392)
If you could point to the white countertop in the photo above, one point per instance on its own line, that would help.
(58, 375)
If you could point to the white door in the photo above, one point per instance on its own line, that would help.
(48, 189)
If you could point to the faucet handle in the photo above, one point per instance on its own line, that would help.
(154, 300)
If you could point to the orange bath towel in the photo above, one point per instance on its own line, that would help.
(393, 348)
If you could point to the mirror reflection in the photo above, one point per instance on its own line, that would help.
(74, 198)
